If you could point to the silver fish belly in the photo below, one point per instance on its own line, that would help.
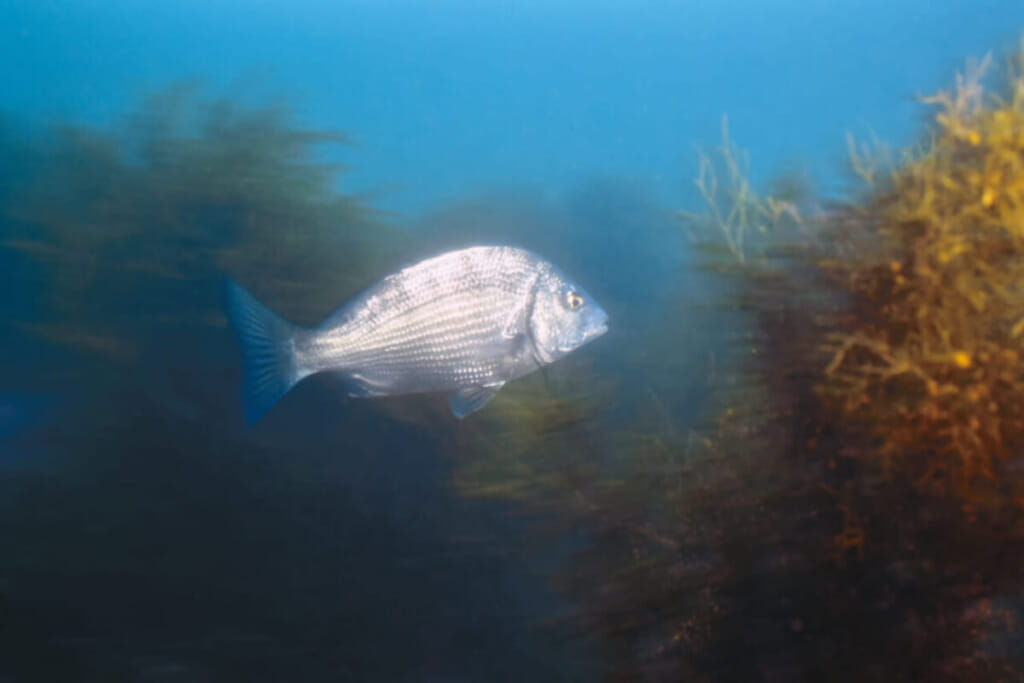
(464, 322)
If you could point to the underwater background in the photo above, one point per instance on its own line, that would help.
(796, 455)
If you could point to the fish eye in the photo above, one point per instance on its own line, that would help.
(574, 301)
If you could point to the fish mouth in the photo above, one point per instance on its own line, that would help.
(597, 330)
(588, 335)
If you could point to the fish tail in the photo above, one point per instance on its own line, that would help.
(267, 352)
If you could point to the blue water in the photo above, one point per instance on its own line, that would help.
(447, 98)
(157, 540)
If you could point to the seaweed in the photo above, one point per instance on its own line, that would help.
(145, 531)
(877, 531)
(929, 358)
(850, 506)
(125, 237)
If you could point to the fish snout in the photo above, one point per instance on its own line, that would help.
(598, 323)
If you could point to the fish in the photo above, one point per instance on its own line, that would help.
(464, 322)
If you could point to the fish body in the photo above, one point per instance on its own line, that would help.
(465, 322)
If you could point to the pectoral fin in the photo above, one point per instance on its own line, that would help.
(471, 399)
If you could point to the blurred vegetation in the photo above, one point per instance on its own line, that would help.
(850, 508)
(144, 533)
(125, 236)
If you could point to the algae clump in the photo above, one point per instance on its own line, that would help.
(850, 508)
(930, 358)
(122, 237)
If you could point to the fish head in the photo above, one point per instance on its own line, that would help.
(564, 317)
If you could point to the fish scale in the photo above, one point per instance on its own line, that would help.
(464, 322)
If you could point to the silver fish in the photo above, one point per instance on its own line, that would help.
(464, 322)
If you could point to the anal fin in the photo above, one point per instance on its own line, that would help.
(471, 399)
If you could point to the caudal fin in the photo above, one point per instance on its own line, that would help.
(267, 353)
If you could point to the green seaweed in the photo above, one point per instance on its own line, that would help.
(131, 231)
(147, 529)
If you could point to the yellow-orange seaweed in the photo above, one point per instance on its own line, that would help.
(927, 356)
